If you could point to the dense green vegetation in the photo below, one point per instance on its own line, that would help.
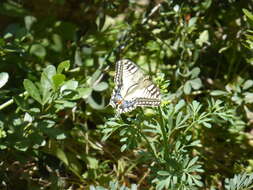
(57, 63)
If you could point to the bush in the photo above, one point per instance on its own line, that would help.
(56, 78)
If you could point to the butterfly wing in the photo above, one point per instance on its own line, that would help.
(149, 95)
(119, 73)
(124, 79)
(137, 86)
(145, 94)
(133, 87)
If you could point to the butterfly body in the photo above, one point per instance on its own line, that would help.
(132, 88)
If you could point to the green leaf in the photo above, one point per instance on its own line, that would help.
(203, 38)
(84, 92)
(193, 161)
(89, 62)
(192, 21)
(62, 104)
(46, 83)
(61, 136)
(92, 162)
(28, 118)
(248, 97)
(86, 50)
(195, 106)
(57, 43)
(100, 21)
(94, 104)
(69, 85)
(248, 14)
(218, 93)
(13, 9)
(248, 84)
(112, 123)
(163, 173)
(101, 86)
(179, 105)
(49, 71)
(74, 164)
(64, 65)
(94, 77)
(206, 4)
(29, 21)
(196, 143)
(45, 88)
(38, 50)
(195, 72)
(123, 148)
(37, 140)
(32, 90)
(208, 125)
(187, 87)
(221, 50)
(3, 78)
(62, 156)
(197, 182)
(21, 103)
(196, 83)
(58, 79)
(78, 60)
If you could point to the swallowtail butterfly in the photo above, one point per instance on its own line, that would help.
(132, 88)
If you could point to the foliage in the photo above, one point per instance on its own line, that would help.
(56, 77)
(114, 186)
(241, 181)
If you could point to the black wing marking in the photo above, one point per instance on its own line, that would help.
(124, 73)
(147, 102)
(151, 91)
(118, 74)
(143, 91)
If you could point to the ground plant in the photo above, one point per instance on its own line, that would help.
(57, 67)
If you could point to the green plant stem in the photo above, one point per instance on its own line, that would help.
(150, 147)
(164, 134)
(153, 11)
(11, 101)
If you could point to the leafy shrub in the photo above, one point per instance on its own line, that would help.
(57, 62)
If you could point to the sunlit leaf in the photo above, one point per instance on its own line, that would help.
(248, 84)
(218, 93)
(32, 90)
(58, 79)
(46, 82)
(187, 87)
(69, 85)
(248, 97)
(57, 43)
(28, 117)
(195, 72)
(248, 14)
(84, 92)
(62, 156)
(38, 50)
(101, 86)
(3, 79)
(203, 38)
(64, 65)
(29, 21)
(196, 83)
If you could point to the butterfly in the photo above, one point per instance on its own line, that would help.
(132, 88)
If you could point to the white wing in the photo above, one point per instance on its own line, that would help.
(134, 86)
